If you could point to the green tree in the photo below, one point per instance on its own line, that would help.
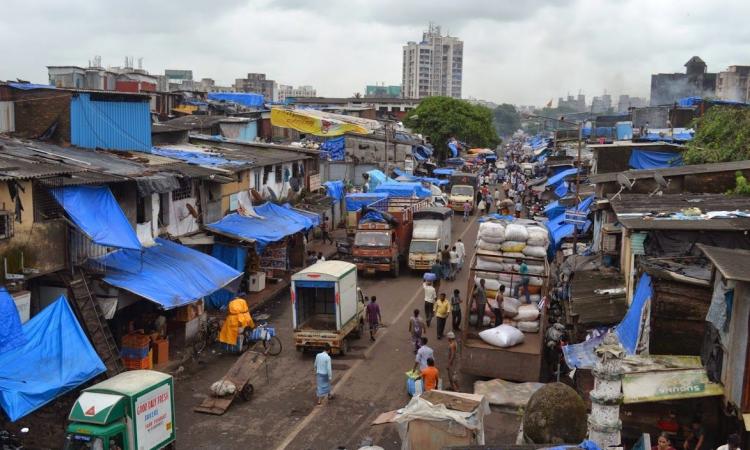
(722, 134)
(441, 118)
(506, 119)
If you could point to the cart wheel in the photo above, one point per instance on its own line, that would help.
(247, 392)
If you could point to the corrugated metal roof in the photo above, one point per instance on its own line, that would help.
(114, 125)
(733, 264)
(643, 212)
(674, 171)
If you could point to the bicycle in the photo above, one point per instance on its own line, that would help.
(263, 334)
(207, 336)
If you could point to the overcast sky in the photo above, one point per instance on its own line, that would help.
(518, 52)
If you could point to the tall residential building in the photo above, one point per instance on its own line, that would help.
(625, 102)
(286, 91)
(575, 104)
(601, 104)
(667, 88)
(382, 91)
(259, 84)
(734, 84)
(433, 66)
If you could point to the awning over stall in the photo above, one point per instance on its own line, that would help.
(56, 358)
(276, 223)
(358, 200)
(96, 213)
(335, 189)
(555, 179)
(397, 189)
(169, 274)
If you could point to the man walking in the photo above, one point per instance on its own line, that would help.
(442, 309)
(323, 374)
(416, 327)
(429, 301)
(423, 354)
(456, 310)
(373, 317)
(461, 251)
(452, 353)
(455, 261)
(445, 260)
(467, 210)
(324, 230)
(480, 299)
(430, 376)
(523, 269)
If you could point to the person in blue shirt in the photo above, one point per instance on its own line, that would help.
(323, 374)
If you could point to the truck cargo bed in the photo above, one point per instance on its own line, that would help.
(319, 322)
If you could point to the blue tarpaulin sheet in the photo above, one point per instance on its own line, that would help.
(397, 189)
(555, 179)
(277, 223)
(678, 136)
(30, 86)
(414, 178)
(453, 148)
(169, 274)
(335, 189)
(561, 190)
(242, 98)
(628, 330)
(357, 201)
(95, 211)
(11, 334)
(496, 216)
(56, 358)
(421, 152)
(553, 209)
(235, 258)
(314, 217)
(372, 216)
(443, 171)
(333, 149)
(559, 230)
(644, 159)
(198, 158)
(375, 178)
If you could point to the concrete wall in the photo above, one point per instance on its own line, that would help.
(37, 110)
(362, 149)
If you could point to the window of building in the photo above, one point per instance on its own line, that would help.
(266, 172)
(6, 224)
(164, 209)
(45, 206)
(184, 191)
(277, 173)
(256, 178)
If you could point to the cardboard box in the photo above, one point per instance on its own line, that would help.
(189, 312)
(161, 351)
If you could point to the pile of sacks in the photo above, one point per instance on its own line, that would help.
(514, 239)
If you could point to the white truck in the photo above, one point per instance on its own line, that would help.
(432, 231)
(327, 306)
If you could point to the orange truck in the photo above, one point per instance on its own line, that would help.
(381, 242)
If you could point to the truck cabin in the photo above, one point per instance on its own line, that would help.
(461, 190)
(374, 238)
(87, 437)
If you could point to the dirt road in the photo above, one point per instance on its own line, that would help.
(367, 381)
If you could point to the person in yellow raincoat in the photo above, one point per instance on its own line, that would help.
(238, 317)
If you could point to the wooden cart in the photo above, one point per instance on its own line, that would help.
(240, 375)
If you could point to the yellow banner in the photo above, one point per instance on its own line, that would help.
(305, 123)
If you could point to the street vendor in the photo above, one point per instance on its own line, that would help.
(238, 317)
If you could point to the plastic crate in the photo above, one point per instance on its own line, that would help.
(135, 364)
(134, 353)
(136, 340)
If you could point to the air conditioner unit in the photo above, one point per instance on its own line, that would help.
(256, 281)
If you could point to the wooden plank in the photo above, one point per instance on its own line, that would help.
(450, 401)
(239, 375)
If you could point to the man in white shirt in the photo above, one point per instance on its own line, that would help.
(429, 301)
(323, 374)
(461, 252)
(423, 354)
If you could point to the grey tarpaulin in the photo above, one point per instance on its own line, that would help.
(159, 183)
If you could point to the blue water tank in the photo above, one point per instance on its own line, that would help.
(624, 131)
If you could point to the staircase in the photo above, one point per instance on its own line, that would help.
(92, 319)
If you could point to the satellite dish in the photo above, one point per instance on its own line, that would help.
(625, 183)
(661, 184)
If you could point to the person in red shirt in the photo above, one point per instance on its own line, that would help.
(430, 375)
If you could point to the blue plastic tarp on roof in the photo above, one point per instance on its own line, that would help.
(372, 216)
(397, 189)
(234, 257)
(276, 223)
(335, 189)
(11, 334)
(96, 213)
(314, 217)
(421, 152)
(629, 330)
(56, 358)
(443, 171)
(561, 190)
(496, 216)
(455, 161)
(30, 86)
(553, 209)
(333, 148)
(376, 177)
(678, 136)
(560, 230)
(198, 158)
(555, 179)
(169, 274)
(241, 98)
(644, 159)
(357, 201)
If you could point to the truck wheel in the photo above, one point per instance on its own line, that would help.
(395, 270)
(360, 330)
(344, 349)
(247, 392)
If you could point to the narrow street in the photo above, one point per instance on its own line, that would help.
(367, 381)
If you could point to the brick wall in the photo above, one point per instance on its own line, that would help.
(39, 109)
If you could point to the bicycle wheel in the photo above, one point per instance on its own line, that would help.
(200, 342)
(272, 346)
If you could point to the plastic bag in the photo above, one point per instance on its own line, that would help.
(494, 229)
(223, 387)
(515, 232)
(492, 239)
(527, 313)
(484, 264)
(513, 255)
(534, 251)
(502, 336)
(484, 245)
(513, 246)
(528, 326)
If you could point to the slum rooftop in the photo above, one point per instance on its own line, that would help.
(682, 212)
(692, 169)
(733, 264)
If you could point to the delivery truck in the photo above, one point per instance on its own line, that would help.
(463, 188)
(432, 231)
(381, 242)
(327, 306)
(130, 411)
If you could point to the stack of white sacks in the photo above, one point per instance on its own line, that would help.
(508, 242)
